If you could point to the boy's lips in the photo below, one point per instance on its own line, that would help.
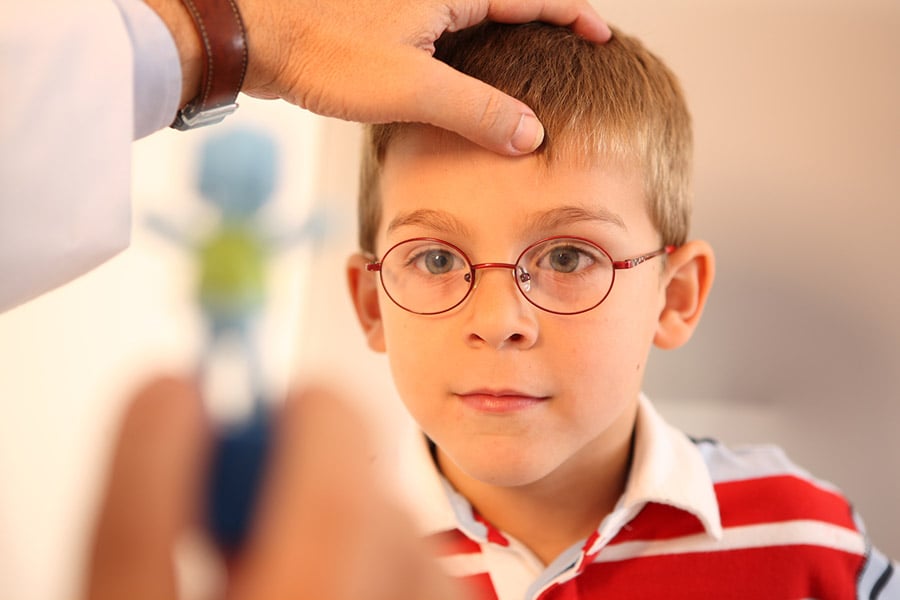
(499, 401)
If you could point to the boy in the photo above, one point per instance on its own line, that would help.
(543, 472)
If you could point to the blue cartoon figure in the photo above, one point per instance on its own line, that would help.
(238, 171)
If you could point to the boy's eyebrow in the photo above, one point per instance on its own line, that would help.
(566, 215)
(432, 219)
(550, 220)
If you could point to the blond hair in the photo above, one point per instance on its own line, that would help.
(615, 101)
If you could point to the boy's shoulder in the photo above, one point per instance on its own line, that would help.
(757, 484)
(780, 526)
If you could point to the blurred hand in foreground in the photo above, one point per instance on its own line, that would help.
(324, 529)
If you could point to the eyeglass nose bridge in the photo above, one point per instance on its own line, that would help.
(522, 277)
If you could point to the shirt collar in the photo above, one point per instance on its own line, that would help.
(429, 498)
(667, 468)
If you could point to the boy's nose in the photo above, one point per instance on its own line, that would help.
(497, 314)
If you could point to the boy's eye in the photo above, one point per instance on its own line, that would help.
(436, 261)
(566, 259)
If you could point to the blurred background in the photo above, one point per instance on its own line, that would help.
(797, 156)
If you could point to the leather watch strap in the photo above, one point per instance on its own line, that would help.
(224, 43)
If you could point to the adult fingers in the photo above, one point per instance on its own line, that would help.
(425, 90)
(152, 493)
(477, 111)
(578, 15)
(323, 528)
(306, 505)
(371, 62)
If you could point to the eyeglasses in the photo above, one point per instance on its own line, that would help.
(561, 275)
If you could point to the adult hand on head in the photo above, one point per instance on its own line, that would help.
(323, 528)
(371, 60)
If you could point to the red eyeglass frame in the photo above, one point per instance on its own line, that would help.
(630, 263)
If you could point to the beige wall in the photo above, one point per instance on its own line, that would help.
(798, 151)
(797, 110)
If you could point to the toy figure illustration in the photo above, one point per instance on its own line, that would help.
(237, 175)
(238, 171)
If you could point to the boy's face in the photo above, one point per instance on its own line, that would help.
(510, 393)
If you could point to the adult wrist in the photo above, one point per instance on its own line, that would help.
(212, 45)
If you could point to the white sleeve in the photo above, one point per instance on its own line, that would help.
(66, 126)
(157, 72)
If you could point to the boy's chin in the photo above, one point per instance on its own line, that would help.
(501, 468)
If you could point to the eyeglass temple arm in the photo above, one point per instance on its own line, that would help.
(633, 262)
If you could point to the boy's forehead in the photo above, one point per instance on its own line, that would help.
(417, 140)
(418, 149)
(425, 167)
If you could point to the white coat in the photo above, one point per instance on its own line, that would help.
(81, 81)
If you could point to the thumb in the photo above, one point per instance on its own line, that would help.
(475, 110)
(152, 494)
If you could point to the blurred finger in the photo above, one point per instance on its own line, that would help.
(152, 494)
(324, 529)
(316, 456)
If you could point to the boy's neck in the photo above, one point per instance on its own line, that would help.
(567, 506)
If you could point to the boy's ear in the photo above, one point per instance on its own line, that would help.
(688, 277)
(364, 294)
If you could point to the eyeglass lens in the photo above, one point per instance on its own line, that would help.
(561, 275)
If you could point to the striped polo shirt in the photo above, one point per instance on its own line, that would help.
(696, 520)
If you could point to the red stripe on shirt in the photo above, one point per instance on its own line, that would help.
(780, 498)
(745, 502)
(659, 522)
(780, 572)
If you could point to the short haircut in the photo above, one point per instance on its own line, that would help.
(598, 102)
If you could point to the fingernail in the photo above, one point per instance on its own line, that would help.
(529, 134)
(607, 32)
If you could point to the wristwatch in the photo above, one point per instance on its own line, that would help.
(224, 42)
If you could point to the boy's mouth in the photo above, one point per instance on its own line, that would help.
(499, 401)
